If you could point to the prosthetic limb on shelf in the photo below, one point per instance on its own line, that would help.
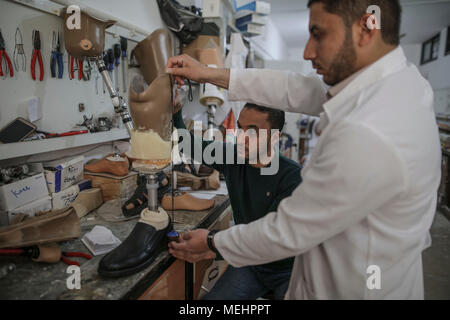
(120, 105)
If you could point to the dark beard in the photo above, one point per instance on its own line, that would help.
(343, 65)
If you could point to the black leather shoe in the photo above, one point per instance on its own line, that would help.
(136, 253)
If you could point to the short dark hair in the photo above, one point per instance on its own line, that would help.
(275, 117)
(352, 10)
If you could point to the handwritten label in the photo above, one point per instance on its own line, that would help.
(72, 169)
(18, 192)
(70, 179)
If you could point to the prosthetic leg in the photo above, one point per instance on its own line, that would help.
(88, 41)
(151, 151)
(119, 104)
(150, 144)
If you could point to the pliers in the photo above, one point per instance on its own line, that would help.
(64, 256)
(79, 67)
(37, 54)
(7, 59)
(56, 57)
(35, 252)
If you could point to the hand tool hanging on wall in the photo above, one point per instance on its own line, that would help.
(78, 67)
(97, 76)
(110, 54)
(20, 59)
(3, 54)
(124, 46)
(105, 61)
(56, 57)
(37, 55)
(117, 55)
(87, 69)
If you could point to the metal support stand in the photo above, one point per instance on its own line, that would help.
(211, 125)
(120, 105)
(152, 189)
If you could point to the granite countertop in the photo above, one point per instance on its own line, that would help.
(31, 280)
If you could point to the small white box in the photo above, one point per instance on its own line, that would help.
(63, 173)
(30, 209)
(65, 197)
(260, 7)
(251, 18)
(252, 29)
(19, 193)
(212, 8)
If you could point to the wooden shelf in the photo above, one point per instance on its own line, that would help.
(20, 149)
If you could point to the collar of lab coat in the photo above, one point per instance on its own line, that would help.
(345, 101)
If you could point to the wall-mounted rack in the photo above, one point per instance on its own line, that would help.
(26, 148)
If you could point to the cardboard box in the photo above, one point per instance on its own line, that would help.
(65, 198)
(64, 173)
(19, 193)
(114, 187)
(245, 7)
(87, 201)
(29, 209)
(251, 18)
(201, 42)
(212, 8)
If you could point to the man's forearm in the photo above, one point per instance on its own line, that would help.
(218, 77)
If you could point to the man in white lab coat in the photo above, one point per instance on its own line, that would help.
(360, 220)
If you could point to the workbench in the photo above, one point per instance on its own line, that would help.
(165, 278)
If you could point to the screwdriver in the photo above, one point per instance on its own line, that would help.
(124, 46)
(117, 55)
(110, 54)
(105, 60)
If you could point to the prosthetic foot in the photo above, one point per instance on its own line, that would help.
(185, 201)
(147, 240)
(113, 164)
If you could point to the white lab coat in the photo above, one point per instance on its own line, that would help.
(369, 192)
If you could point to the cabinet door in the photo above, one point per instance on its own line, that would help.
(170, 286)
(203, 268)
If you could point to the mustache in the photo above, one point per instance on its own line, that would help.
(316, 65)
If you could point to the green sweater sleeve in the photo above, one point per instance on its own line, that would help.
(196, 142)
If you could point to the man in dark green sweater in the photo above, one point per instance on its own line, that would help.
(252, 195)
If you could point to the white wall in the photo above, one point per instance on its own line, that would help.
(412, 53)
(270, 45)
(142, 13)
(60, 97)
(437, 72)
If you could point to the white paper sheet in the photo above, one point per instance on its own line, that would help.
(34, 109)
